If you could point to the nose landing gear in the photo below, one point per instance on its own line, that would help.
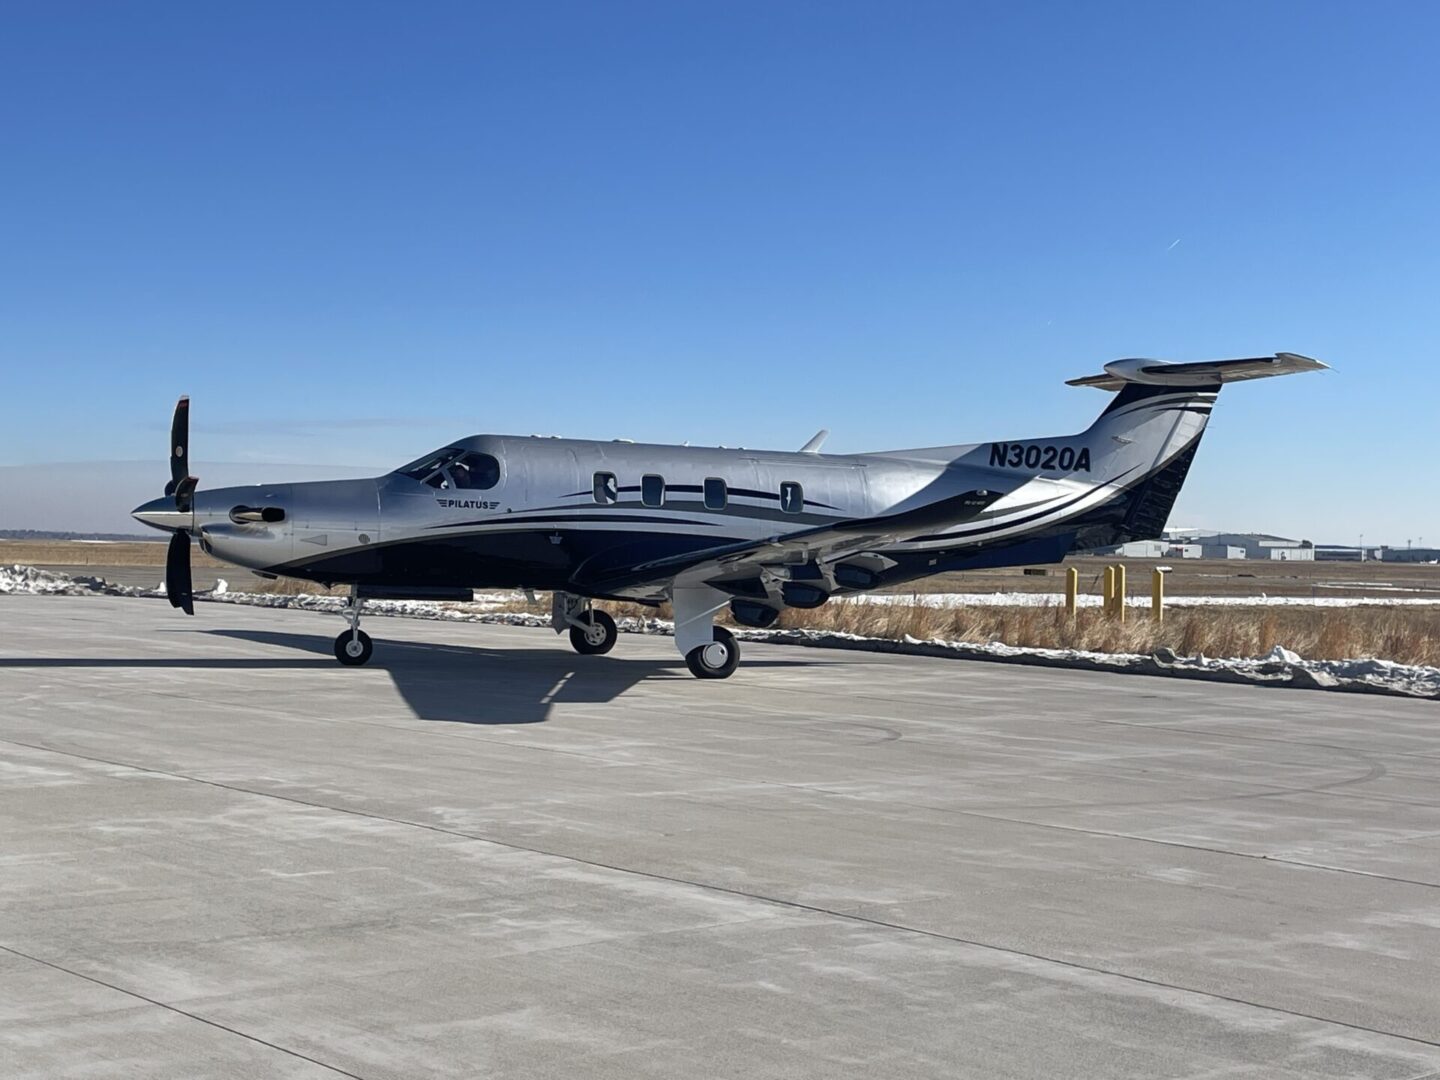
(592, 633)
(353, 647)
(597, 638)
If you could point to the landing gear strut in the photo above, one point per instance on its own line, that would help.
(353, 647)
(710, 651)
(592, 633)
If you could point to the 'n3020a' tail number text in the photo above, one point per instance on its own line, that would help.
(1032, 456)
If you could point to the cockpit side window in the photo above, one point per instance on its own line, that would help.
(475, 472)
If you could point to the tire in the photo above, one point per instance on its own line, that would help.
(353, 650)
(702, 660)
(598, 639)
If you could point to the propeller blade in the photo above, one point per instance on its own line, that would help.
(179, 445)
(177, 574)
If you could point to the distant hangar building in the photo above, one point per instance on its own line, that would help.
(1252, 546)
(1218, 546)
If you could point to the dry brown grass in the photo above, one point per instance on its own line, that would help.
(1405, 635)
(77, 553)
(291, 587)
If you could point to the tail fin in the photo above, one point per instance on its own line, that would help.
(1143, 443)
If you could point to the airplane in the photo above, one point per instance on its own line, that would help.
(706, 528)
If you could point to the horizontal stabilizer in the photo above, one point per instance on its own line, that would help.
(1204, 373)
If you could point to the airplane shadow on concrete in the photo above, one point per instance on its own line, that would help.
(456, 683)
(470, 684)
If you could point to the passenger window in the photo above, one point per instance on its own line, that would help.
(607, 488)
(475, 472)
(652, 490)
(792, 497)
(715, 493)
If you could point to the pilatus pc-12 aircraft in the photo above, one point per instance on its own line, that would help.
(706, 528)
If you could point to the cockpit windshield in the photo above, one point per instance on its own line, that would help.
(454, 468)
(420, 468)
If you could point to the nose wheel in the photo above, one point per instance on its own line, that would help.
(718, 659)
(593, 633)
(353, 648)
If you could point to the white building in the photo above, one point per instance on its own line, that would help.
(1255, 546)
(1188, 545)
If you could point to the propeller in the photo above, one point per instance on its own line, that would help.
(178, 587)
(177, 574)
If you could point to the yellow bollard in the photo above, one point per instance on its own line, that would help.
(1107, 592)
(1120, 592)
(1157, 596)
(1072, 592)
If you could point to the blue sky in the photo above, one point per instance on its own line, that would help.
(355, 231)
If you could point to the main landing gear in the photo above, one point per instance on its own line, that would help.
(710, 651)
(718, 660)
(353, 647)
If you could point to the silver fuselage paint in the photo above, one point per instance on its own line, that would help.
(546, 486)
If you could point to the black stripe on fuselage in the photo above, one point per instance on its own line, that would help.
(634, 511)
(535, 558)
(517, 519)
(977, 534)
(696, 489)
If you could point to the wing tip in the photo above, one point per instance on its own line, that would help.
(1300, 362)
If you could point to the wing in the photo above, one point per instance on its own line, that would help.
(734, 561)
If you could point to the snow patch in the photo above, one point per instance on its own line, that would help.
(1021, 599)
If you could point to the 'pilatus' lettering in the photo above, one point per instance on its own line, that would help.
(467, 504)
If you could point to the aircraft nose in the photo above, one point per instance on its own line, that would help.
(161, 514)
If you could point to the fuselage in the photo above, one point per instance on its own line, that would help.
(553, 511)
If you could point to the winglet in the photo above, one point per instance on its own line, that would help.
(816, 441)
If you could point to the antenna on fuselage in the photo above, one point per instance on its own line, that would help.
(816, 441)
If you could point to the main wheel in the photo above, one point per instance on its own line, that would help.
(352, 650)
(717, 660)
(596, 638)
